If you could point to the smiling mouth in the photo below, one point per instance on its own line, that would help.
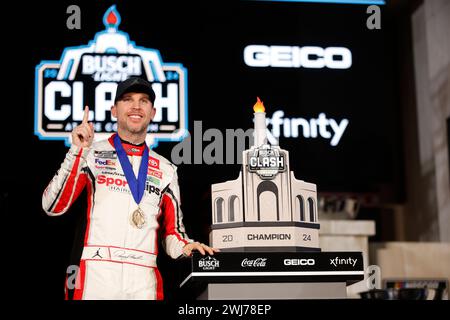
(135, 116)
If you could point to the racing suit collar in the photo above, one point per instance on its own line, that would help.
(130, 149)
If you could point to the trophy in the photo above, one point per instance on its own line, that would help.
(266, 226)
(266, 208)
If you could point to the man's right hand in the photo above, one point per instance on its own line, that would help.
(83, 135)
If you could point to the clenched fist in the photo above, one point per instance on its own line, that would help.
(83, 135)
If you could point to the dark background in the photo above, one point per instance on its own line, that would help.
(208, 38)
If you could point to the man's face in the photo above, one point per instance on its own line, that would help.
(133, 112)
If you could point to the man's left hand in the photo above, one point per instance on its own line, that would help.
(200, 247)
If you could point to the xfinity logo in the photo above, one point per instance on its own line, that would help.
(339, 261)
(299, 262)
(297, 57)
(322, 126)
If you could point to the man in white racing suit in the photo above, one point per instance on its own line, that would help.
(133, 196)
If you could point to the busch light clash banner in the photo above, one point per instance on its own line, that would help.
(88, 75)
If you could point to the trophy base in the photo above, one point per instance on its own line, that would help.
(271, 249)
(266, 236)
(272, 275)
(274, 291)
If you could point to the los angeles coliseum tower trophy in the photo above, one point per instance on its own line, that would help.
(266, 225)
(266, 208)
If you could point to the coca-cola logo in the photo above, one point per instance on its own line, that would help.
(258, 262)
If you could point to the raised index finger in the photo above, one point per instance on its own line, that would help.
(86, 114)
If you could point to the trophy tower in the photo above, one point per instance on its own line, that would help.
(265, 223)
(266, 208)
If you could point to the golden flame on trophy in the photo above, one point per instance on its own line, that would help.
(259, 106)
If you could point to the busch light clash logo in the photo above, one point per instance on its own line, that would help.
(88, 75)
(208, 263)
(266, 162)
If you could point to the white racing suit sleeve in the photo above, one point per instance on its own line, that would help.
(68, 182)
(173, 232)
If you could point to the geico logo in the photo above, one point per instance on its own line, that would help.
(296, 57)
(101, 179)
(299, 262)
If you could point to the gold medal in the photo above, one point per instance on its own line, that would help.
(138, 218)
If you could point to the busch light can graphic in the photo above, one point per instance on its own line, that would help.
(88, 75)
